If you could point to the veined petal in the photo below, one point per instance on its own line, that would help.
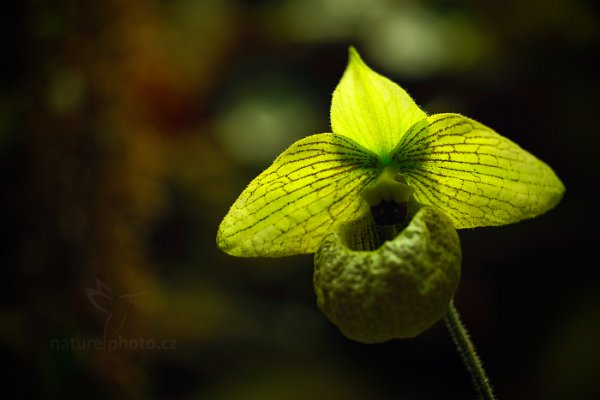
(372, 110)
(291, 206)
(474, 175)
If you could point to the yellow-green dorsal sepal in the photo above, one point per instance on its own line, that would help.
(395, 291)
(372, 110)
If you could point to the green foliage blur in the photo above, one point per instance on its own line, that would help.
(127, 128)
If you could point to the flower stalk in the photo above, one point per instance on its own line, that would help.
(468, 353)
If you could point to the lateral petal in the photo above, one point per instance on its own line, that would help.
(289, 208)
(476, 176)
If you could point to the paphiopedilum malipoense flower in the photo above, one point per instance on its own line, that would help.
(378, 201)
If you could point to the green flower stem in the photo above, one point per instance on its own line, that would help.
(460, 337)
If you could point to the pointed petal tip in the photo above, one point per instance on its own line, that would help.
(353, 55)
(224, 242)
(232, 249)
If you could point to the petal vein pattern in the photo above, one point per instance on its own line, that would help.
(293, 204)
(477, 177)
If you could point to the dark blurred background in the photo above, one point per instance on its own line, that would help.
(127, 129)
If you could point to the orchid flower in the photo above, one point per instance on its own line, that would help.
(379, 199)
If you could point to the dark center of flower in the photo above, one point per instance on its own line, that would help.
(389, 212)
(392, 207)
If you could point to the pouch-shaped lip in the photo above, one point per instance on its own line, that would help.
(376, 290)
